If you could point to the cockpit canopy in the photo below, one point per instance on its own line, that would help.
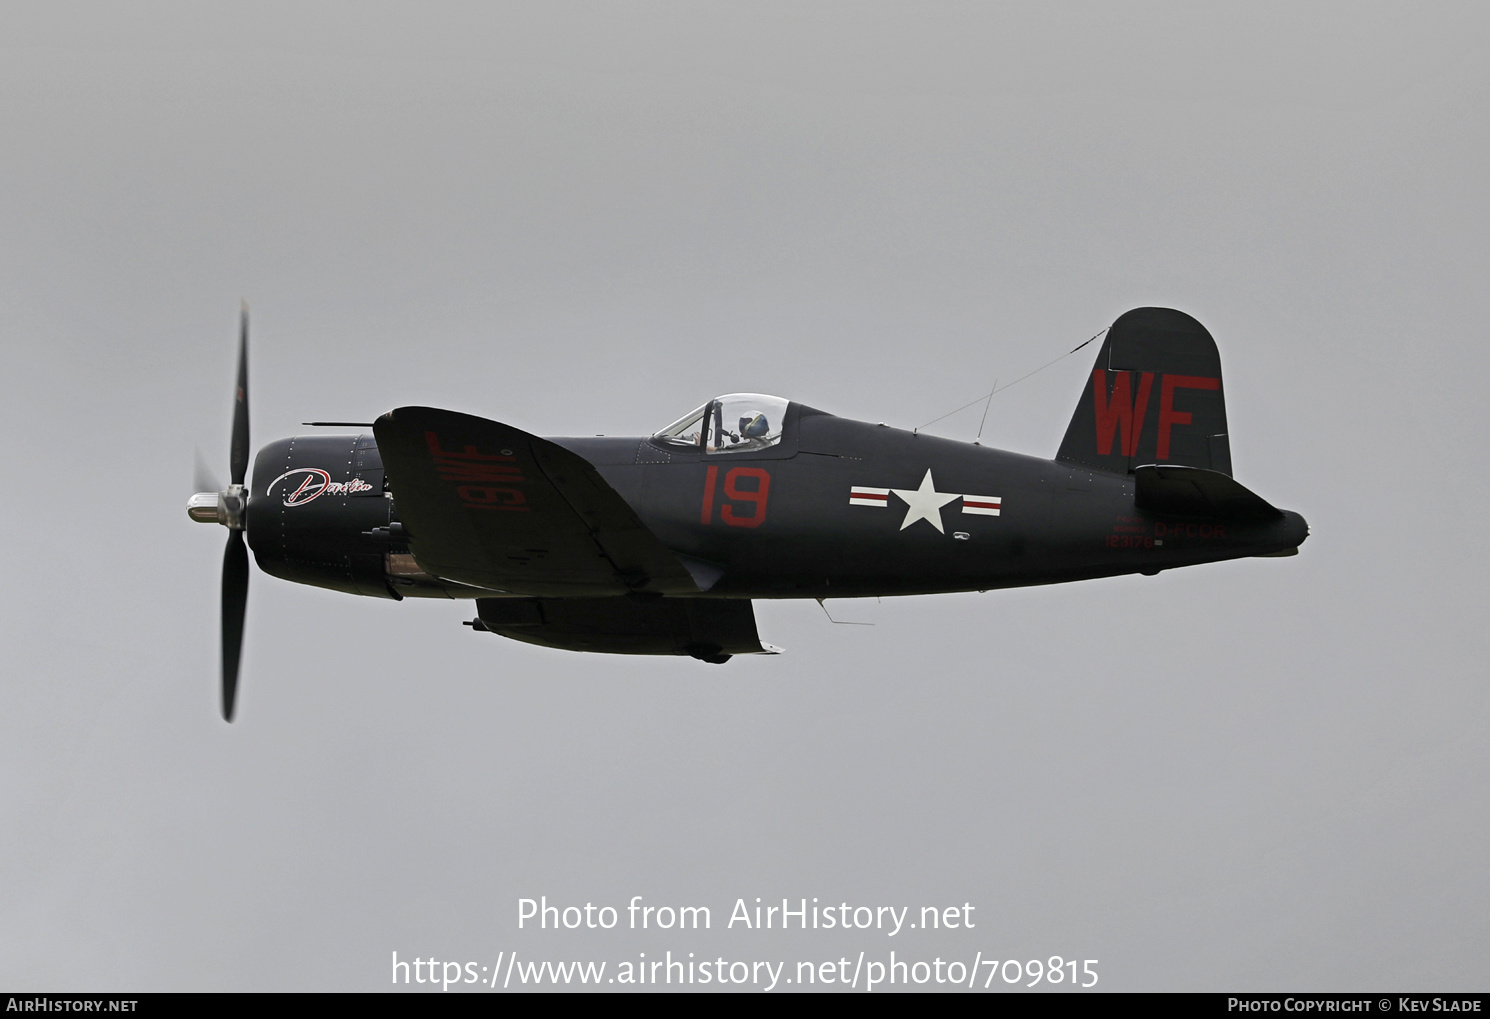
(737, 423)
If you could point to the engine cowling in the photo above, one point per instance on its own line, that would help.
(312, 505)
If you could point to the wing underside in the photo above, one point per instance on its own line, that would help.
(710, 629)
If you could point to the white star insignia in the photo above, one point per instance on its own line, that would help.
(925, 503)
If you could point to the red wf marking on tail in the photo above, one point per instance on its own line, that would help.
(1168, 416)
(1120, 412)
(483, 480)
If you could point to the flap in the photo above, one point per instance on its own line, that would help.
(493, 506)
(1195, 492)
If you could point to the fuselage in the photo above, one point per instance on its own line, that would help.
(837, 508)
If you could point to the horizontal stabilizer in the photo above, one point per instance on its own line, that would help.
(1194, 492)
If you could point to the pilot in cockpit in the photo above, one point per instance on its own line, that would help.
(755, 427)
(705, 427)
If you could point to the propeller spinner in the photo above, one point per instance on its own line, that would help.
(226, 507)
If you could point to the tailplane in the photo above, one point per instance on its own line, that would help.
(1153, 397)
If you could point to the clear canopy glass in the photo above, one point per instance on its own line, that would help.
(736, 423)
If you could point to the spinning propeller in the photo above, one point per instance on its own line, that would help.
(226, 506)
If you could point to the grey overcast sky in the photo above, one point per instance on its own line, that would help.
(583, 218)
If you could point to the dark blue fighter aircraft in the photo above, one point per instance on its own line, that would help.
(657, 544)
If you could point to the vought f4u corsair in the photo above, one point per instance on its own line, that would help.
(657, 544)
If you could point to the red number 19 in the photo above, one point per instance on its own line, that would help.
(757, 495)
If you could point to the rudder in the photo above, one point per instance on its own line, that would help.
(1154, 397)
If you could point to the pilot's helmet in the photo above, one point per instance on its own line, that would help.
(755, 427)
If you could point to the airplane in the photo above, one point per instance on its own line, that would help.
(658, 544)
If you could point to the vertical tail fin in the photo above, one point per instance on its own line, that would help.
(1154, 397)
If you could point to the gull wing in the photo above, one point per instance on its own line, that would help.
(493, 506)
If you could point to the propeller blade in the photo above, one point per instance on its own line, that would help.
(202, 478)
(238, 456)
(234, 604)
